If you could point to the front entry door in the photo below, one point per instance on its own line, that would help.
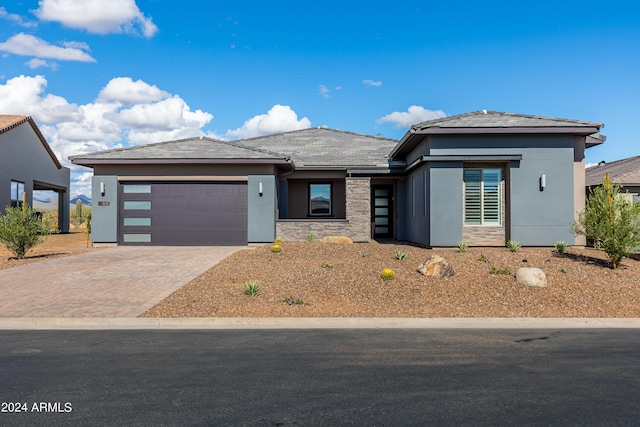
(382, 210)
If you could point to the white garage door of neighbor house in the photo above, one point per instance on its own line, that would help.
(183, 213)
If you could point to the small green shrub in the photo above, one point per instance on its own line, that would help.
(499, 271)
(20, 230)
(610, 221)
(365, 254)
(560, 246)
(310, 237)
(276, 248)
(564, 270)
(388, 274)
(401, 254)
(482, 258)
(513, 245)
(251, 288)
(462, 246)
(295, 301)
(326, 265)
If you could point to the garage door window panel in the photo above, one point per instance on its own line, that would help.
(136, 237)
(137, 222)
(137, 205)
(136, 189)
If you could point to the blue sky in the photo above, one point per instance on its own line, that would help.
(100, 74)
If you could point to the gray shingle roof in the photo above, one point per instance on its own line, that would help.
(625, 171)
(185, 149)
(316, 147)
(496, 119)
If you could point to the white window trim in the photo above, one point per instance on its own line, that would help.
(464, 207)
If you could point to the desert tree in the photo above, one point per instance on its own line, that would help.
(21, 228)
(611, 221)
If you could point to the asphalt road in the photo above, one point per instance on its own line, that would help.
(320, 377)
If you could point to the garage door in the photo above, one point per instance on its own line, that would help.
(183, 213)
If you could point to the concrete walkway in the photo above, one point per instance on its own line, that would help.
(122, 281)
(146, 323)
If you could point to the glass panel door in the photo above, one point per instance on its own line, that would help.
(382, 211)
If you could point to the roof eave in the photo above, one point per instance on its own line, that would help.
(89, 162)
(574, 130)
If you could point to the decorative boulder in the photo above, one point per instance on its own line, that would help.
(336, 239)
(531, 276)
(436, 266)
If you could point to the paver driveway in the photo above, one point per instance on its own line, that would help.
(123, 281)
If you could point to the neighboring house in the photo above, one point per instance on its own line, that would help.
(625, 172)
(484, 177)
(27, 163)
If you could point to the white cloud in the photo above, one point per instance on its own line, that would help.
(16, 19)
(81, 183)
(324, 91)
(24, 95)
(98, 16)
(415, 114)
(376, 83)
(107, 122)
(280, 118)
(126, 91)
(37, 63)
(28, 45)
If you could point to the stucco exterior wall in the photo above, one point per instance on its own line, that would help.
(261, 217)
(535, 216)
(104, 209)
(446, 203)
(417, 204)
(356, 225)
(24, 158)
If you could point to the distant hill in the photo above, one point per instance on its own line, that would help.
(86, 201)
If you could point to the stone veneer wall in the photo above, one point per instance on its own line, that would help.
(357, 224)
(483, 236)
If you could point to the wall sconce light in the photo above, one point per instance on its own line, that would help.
(543, 181)
(102, 188)
(260, 188)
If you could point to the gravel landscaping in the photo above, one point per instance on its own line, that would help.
(343, 280)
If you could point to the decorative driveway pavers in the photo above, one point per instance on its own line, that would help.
(122, 281)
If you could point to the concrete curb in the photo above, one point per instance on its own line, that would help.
(314, 323)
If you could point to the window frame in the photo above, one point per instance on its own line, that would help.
(310, 210)
(16, 200)
(483, 194)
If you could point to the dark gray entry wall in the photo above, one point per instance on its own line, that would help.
(183, 213)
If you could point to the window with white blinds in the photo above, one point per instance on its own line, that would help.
(482, 197)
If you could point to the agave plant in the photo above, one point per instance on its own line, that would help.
(401, 254)
(251, 288)
(513, 245)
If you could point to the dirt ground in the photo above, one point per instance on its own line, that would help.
(343, 280)
(54, 245)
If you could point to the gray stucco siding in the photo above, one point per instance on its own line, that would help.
(23, 158)
(261, 208)
(416, 203)
(498, 144)
(446, 201)
(104, 209)
(540, 217)
(533, 216)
